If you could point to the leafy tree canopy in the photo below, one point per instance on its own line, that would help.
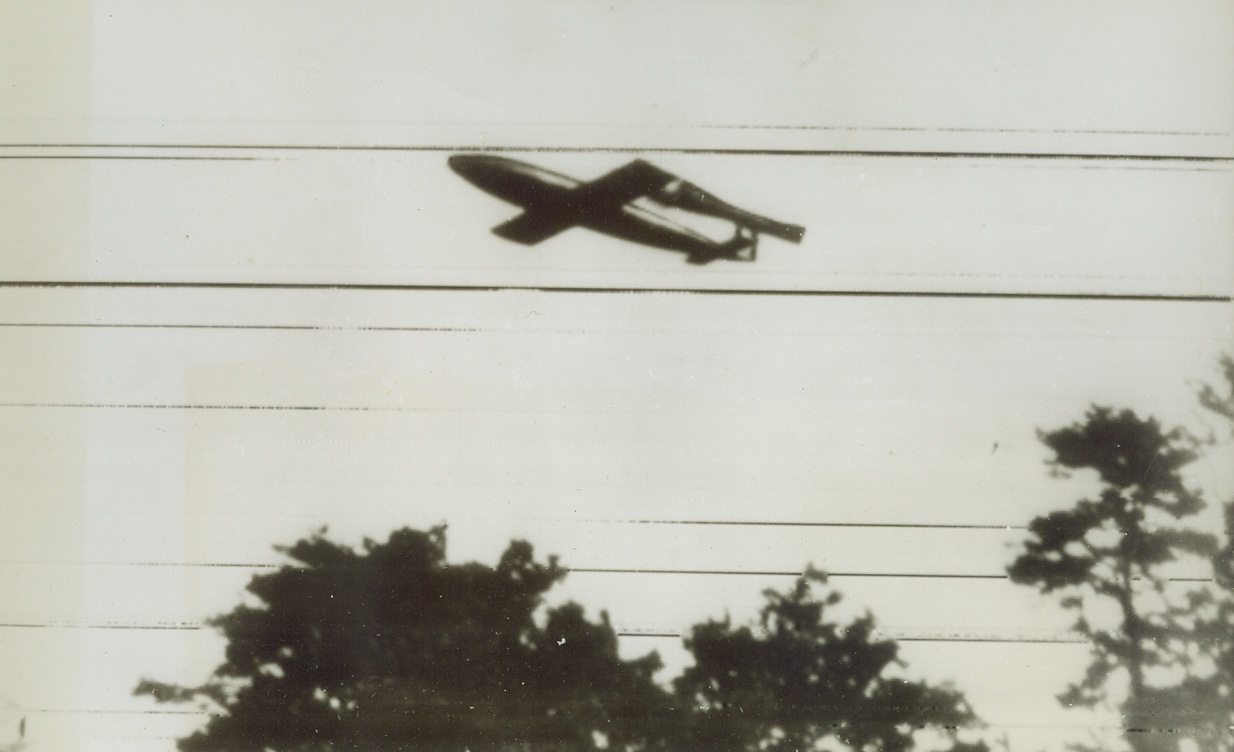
(1211, 696)
(391, 648)
(797, 679)
(1113, 549)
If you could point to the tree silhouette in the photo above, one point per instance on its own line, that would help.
(1113, 550)
(1211, 696)
(391, 648)
(797, 679)
(1220, 399)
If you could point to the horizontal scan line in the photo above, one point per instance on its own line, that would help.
(170, 564)
(806, 523)
(1003, 640)
(602, 570)
(221, 408)
(829, 573)
(755, 292)
(375, 409)
(129, 157)
(576, 570)
(782, 573)
(1035, 726)
(491, 148)
(151, 627)
(1055, 726)
(771, 127)
(638, 633)
(264, 327)
(610, 124)
(510, 331)
(928, 638)
(956, 129)
(116, 711)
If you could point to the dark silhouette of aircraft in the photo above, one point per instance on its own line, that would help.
(553, 203)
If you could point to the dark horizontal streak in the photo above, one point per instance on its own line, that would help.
(1126, 168)
(984, 725)
(910, 129)
(249, 327)
(266, 408)
(1172, 730)
(581, 570)
(116, 711)
(505, 330)
(782, 573)
(196, 627)
(997, 640)
(192, 564)
(375, 287)
(650, 634)
(604, 570)
(789, 523)
(483, 148)
(1017, 640)
(390, 409)
(785, 573)
(181, 627)
(130, 157)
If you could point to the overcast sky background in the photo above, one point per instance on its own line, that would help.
(148, 434)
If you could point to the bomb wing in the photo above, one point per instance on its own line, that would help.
(553, 203)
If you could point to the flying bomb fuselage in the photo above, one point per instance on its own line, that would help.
(554, 202)
(513, 181)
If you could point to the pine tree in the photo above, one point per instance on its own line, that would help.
(1114, 550)
(797, 678)
(391, 648)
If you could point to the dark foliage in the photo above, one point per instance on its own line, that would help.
(1114, 549)
(1220, 399)
(391, 648)
(1210, 697)
(797, 678)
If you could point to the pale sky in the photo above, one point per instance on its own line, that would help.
(146, 432)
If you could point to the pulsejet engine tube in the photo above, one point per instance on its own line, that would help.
(680, 194)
